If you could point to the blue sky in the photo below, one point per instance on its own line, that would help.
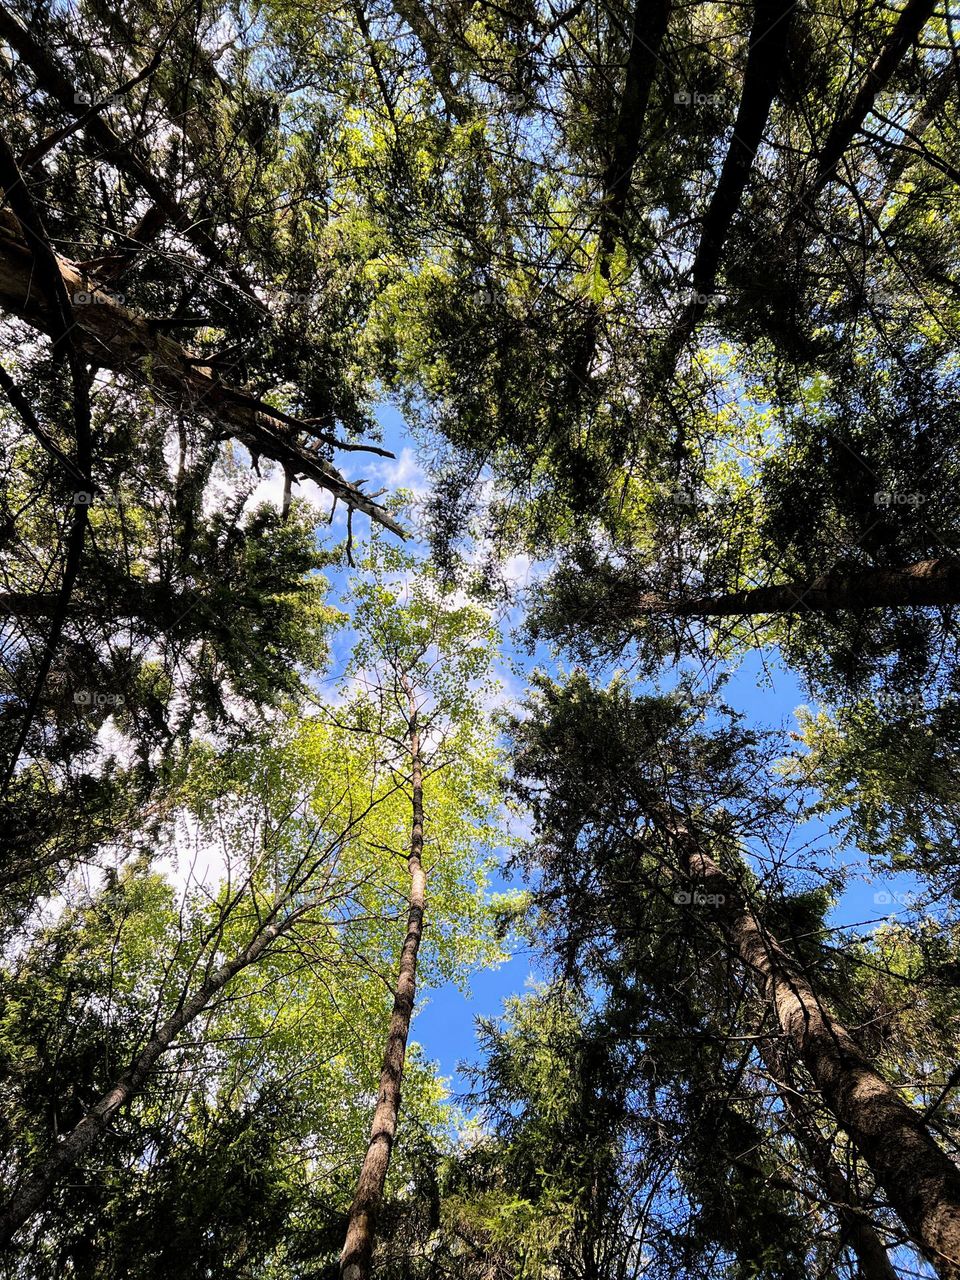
(445, 1024)
(761, 688)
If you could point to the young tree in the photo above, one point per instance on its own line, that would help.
(282, 947)
(423, 662)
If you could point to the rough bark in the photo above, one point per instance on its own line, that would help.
(858, 1230)
(114, 337)
(361, 1227)
(921, 1182)
(928, 582)
(34, 1191)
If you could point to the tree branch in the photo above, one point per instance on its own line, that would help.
(118, 339)
(925, 583)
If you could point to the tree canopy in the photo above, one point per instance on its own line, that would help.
(424, 426)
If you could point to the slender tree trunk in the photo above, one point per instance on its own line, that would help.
(922, 1183)
(928, 582)
(766, 56)
(648, 27)
(361, 1227)
(939, 95)
(913, 17)
(34, 1191)
(858, 1230)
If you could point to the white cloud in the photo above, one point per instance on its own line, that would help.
(402, 472)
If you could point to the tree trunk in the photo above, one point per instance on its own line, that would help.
(78, 1141)
(922, 1183)
(361, 1227)
(766, 55)
(113, 337)
(913, 17)
(939, 95)
(649, 26)
(928, 582)
(858, 1229)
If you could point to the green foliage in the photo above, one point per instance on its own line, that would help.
(495, 216)
(242, 1151)
(885, 773)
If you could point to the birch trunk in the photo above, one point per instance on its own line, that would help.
(361, 1227)
(81, 1138)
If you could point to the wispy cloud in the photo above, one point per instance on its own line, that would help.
(402, 472)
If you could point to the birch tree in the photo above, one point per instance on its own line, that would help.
(423, 664)
(269, 966)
